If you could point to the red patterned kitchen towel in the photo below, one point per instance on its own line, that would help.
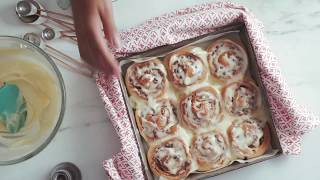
(291, 120)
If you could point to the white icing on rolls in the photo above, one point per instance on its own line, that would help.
(227, 60)
(186, 70)
(171, 158)
(210, 150)
(241, 98)
(157, 121)
(248, 138)
(206, 113)
(186, 67)
(200, 108)
(147, 79)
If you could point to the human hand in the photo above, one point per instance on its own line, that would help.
(90, 16)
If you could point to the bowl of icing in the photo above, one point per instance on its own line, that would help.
(41, 85)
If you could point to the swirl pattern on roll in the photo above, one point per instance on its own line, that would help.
(248, 138)
(210, 150)
(185, 68)
(241, 98)
(157, 122)
(170, 159)
(227, 60)
(147, 79)
(200, 108)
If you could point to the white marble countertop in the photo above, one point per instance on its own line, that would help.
(86, 137)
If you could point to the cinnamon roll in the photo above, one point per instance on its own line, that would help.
(157, 122)
(227, 60)
(146, 79)
(200, 108)
(170, 159)
(210, 150)
(248, 138)
(241, 98)
(185, 68)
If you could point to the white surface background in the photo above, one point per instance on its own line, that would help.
(86, 138)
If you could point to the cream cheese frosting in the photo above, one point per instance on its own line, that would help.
(42, 96)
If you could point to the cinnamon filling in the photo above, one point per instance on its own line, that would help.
(200, 108)
(244, 100)
(247, 137)
(210, 147)
(172, 158)
(186, 69)
(147, 82)
(227, 60)
(159, 121)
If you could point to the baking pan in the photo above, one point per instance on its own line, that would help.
(236, 31)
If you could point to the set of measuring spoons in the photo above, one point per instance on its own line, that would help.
(32, 12)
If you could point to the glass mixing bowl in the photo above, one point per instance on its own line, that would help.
(16, 49)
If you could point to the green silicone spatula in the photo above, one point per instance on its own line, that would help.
(13, 110)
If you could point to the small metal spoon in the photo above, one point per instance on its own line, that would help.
(32, 12)
(27, 11)
(26, 8)
(50, 34)
(34, 39)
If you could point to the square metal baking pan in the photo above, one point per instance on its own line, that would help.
(222, 32)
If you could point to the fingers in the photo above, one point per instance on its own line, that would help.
(92, 44)
(109, 27)
(99, 48)
(110, 65)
